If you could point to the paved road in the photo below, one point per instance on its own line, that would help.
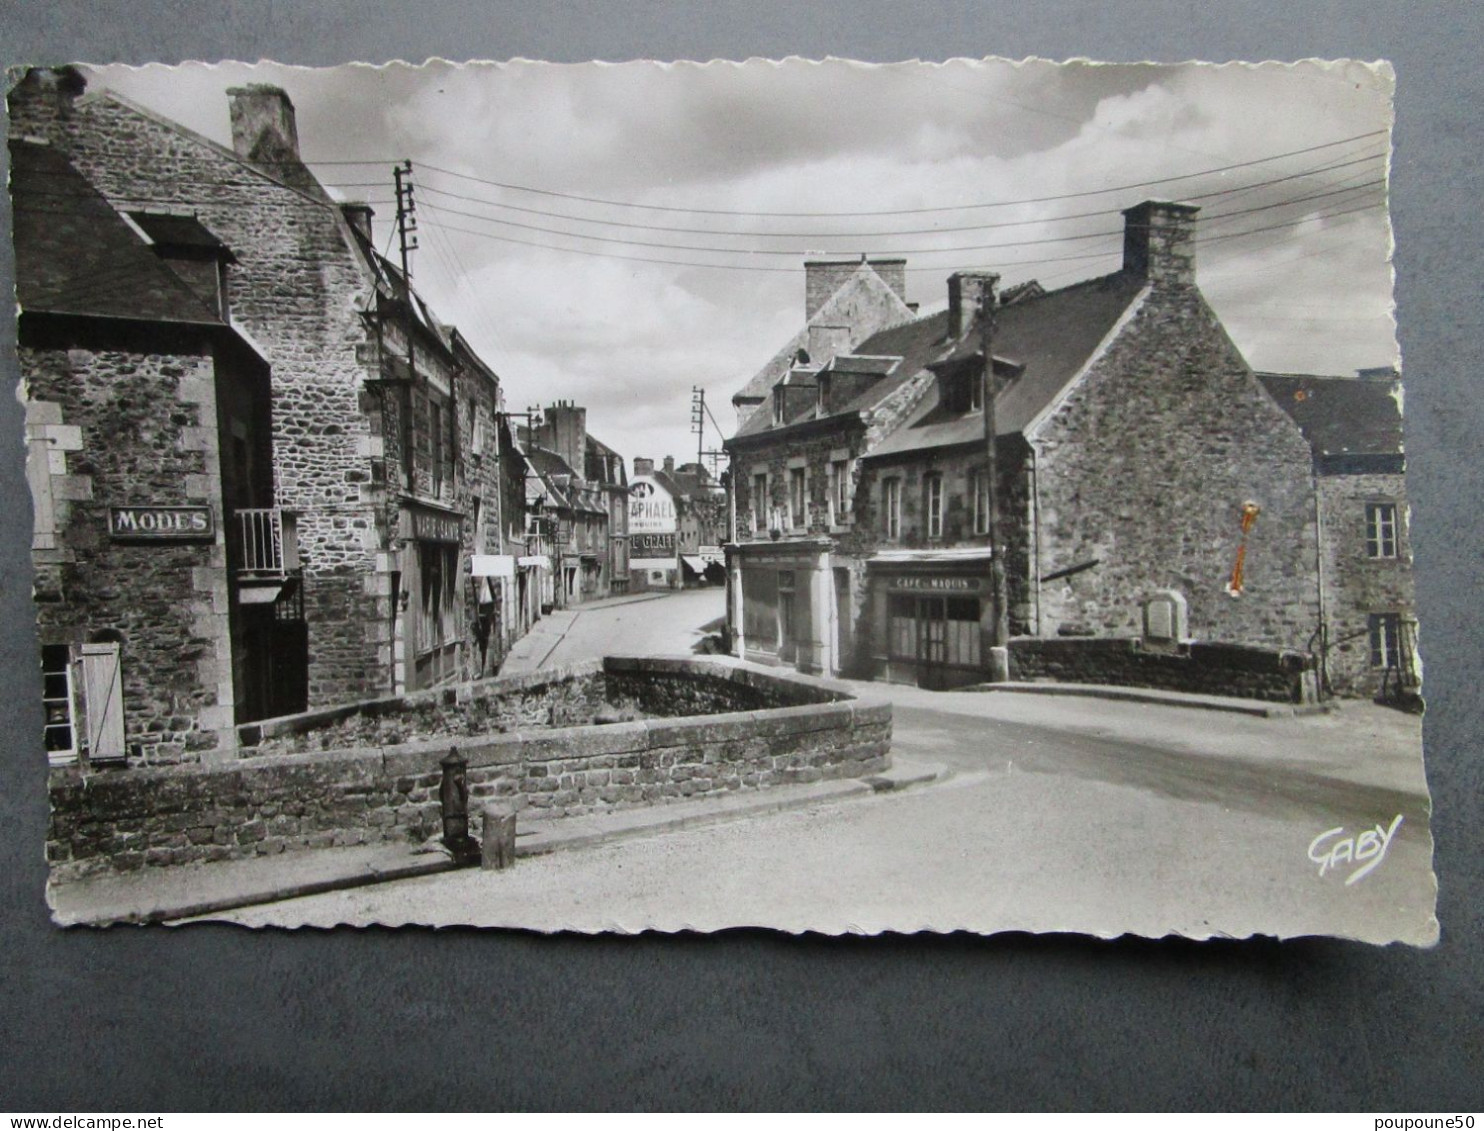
(1059, 815)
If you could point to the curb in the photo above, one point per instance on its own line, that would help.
(1253, 707)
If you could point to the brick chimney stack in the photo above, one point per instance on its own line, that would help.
(566, 431)
(264, 130)
(643, 465)
(1159, 242)
(669, 465)
(42, 100)
(964, 291)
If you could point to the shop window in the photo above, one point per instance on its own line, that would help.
(962, 635)
(1385, 630)
(1380, 530)
(901, 627)
(891, 508)
(933, 490)
(438, 566)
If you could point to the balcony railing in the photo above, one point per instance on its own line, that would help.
(269, 543)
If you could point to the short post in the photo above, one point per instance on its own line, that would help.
(497, 842)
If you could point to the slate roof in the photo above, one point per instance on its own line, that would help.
(1340, 416)
(1047, 339)
(76, 255)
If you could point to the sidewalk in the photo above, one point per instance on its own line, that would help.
(1261, 708)
(162, 895)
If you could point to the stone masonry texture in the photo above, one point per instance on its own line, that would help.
(794, 732)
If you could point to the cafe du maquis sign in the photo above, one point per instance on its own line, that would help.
(160, 524)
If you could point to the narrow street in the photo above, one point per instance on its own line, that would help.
(1056, 814)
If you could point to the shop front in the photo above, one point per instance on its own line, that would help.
(431, 609)
(785, 604)
(931, 613)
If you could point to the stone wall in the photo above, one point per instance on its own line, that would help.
(121, 425)
(1145, 466)
(298, 291)
(1208, 669)
(1357, 585)
(260, 806)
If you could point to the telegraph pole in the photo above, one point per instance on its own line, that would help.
(999, 636)
(406, 217)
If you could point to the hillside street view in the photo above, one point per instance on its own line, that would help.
(810, 496)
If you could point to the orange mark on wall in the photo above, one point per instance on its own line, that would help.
(1250, 511)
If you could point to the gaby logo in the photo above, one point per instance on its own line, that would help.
(1332, 848)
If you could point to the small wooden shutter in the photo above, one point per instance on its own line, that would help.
(103, 696)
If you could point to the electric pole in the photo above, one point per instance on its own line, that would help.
(999, 636)
(406, 217)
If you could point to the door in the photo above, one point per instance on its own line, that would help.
(842, 621)
(932, 643)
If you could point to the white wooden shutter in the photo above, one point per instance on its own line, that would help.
(103, 694)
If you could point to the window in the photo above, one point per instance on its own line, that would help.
(891, 507)
(779, 400)
(56, 703)
(1380, 530)
(759, 503)
(979, 488)
(934, 506)
(976, 393)
(798, 498)
(435, 443)
(438, 565)
(839, 492)
(1385, 640)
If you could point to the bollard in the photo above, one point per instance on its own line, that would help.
(999, 664)
(497, 844)
(453, 798)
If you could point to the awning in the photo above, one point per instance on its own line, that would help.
(712, 555)
(931, 557)
(534, 561)
(695, 564)
(491, 565)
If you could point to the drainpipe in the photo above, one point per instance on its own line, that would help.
(1322, 676)
(1036, 533)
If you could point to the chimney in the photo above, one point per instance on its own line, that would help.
(669, 465)
(566, 427)
(824, 275)
(263, 127)
(964, 291)
(643, 465)
(1159, 242)
(43, 98)
(358, 215)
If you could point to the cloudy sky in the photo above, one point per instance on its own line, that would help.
(616, 234)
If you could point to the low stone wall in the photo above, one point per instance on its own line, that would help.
(1207, 669)
(133, 818)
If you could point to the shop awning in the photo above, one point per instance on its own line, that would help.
(931, 557)
(492, 565)
(695, 564)
(713, 555)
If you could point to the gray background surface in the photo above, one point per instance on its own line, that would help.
(219, 1018)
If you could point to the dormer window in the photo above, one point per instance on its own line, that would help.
(780, 402)
(976, 393)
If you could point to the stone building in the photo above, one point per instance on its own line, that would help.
(166, 581)
(1130, 437)
(687, 511)
(583, 480)
(845, 301)
(605, 467)
(376, 406)
(1354, 428)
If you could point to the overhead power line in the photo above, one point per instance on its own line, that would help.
(872, 234)
(905, 211)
